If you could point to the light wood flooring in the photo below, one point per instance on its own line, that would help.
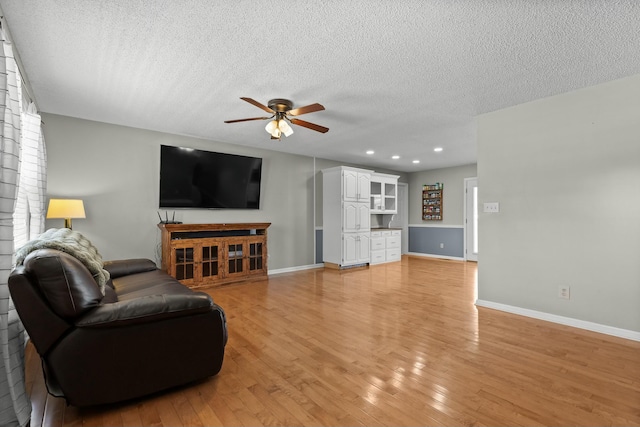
(394, 344)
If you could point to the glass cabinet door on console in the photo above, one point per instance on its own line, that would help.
(183, 261)
(245, 255)
(210, 261)
(257, 256)
(194, 261)
(235, 249)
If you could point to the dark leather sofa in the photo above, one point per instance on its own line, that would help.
(146, 334)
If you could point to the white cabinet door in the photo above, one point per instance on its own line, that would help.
(364, 187)
(350, 249)
(355, 186)
(384, 193)
(356, 217)
(390, 188)
(363, 247)
(350, 217)
(350, 185)
(364, 216)
(355, 248)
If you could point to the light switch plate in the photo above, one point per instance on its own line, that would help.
(491, 207)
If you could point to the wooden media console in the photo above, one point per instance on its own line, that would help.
(200, 255)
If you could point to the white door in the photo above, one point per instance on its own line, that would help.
(471, 219)
(401, 219)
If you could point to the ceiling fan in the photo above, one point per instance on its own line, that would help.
(281, 111)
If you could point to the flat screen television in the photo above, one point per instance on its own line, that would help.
(191, 178)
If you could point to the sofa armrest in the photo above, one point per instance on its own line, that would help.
(146, 309)
(124, 267)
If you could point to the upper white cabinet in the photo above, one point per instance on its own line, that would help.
(383, 196)
(355, 185)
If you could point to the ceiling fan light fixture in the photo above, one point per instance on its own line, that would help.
(285, 128)
(281, 111)
(271, 126)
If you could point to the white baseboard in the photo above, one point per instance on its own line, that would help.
(455, 258)
(292, 269)
(568, 321)
(435, 226)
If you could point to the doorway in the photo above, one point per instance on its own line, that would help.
(471, 219)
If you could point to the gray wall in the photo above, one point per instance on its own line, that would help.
(566, 172)
(453, 195)
(425, 237)
(428, 241)
(115, 169)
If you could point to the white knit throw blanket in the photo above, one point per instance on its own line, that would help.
(73, 243)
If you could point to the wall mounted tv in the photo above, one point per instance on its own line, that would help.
(191, 178)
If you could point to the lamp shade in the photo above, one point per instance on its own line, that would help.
(67, 209)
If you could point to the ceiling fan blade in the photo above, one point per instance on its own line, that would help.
(257, 104)
(246, 120)
(306, 109)
(311, 126)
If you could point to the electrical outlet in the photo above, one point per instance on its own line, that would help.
(564, 292)
(441, 245)
(491, 207)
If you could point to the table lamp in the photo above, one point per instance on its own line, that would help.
(67, 209)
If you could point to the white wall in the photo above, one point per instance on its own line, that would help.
(566, 172)
(116, 170)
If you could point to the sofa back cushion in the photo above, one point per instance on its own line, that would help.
(65, 282)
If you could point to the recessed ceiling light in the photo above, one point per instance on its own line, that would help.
(370, 152)
(396, 157)
(437, 149)
(416, 161)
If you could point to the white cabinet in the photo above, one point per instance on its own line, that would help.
(385, 246)
(383, 197)
(356, 185)
(356, 248)
(393, 246)
(357, 217)
(346, 217)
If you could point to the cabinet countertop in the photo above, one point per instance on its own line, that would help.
(385, 228)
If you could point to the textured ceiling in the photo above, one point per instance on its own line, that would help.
(399, 77)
